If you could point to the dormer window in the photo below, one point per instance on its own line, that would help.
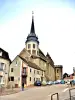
(0, 53)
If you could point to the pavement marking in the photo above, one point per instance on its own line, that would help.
(65, 90)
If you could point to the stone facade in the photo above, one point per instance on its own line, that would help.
(58, 72)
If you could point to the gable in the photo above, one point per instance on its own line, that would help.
(24, 54)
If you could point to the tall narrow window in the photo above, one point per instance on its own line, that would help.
(30, 70)
(11, 69)
(16, 63)
(57, 70)
(29, 46)
(1, 66)
(37, 72)
(34, 46)
(30, 78)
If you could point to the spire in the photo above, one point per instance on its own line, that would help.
(32, 25)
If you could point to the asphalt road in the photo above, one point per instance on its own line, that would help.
(39, 93)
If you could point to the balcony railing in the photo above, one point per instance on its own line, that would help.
(24, 73)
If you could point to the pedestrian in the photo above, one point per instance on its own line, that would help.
(71, 83)
(22, 86)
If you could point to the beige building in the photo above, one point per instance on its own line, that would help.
(4, 67)
(58, 72)
(23, 71)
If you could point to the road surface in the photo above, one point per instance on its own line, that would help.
(39, 93)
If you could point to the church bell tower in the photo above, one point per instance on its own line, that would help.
(32, 43)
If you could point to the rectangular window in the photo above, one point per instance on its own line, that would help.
(33, 45)
(9, 78)
(29, 46)
(30, 78)
(57, 70)
(12, 78)
(11, 69)
(1, 66)
(30, 70)
(37, 72)
(16, 63)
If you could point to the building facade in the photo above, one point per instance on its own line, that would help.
(4, 67)
(23, 71)
(58, 72)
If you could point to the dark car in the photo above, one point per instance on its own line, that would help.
(37, 83)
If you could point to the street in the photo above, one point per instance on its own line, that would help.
(39, 93)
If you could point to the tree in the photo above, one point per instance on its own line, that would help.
(65, 75)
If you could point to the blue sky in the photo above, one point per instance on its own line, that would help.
(54, 25)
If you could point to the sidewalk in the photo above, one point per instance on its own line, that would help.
(14, 90)
(11, 91)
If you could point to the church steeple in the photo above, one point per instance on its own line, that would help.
(32, 43)
(32, 31)
(32, 36)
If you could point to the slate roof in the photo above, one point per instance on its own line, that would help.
(32, 36)
(58, 66)
(31, 64)
(5, 54)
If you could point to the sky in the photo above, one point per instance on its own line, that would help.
(54, 24)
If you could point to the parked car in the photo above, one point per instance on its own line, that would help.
(37, 83)
(62, 82)
(73, 82)
(49, 83)
(59, 81)
(56, 82)
(44, 83)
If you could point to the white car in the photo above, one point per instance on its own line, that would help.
(68, 82)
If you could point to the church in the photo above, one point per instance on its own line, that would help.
(32, 64)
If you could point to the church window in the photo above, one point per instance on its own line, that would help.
(29, 46)
(33, 45)
(57, 70)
